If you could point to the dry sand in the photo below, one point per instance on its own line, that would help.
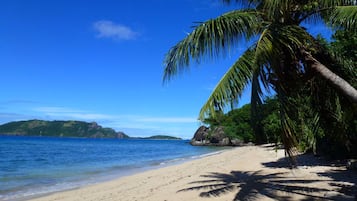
(244, 173)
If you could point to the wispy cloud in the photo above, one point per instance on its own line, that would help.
(18, 101)
(68, 113)
(109, 29)
(61, 112)
(134, 125)
(167, 119)
(7, 117)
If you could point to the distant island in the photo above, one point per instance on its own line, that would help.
(67, 129)
(158, 137)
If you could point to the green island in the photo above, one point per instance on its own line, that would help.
(159, 137)
(66, 129)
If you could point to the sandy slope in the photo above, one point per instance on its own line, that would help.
(245, 173)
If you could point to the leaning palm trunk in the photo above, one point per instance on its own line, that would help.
(275, 27)
(336, 81)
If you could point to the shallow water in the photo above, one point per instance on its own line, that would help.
(30, 166)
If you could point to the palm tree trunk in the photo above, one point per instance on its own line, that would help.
(336, 81)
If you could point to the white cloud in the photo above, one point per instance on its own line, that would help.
(109, 29)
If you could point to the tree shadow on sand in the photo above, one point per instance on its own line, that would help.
(250, 184)
(284, 183)
(345, 181)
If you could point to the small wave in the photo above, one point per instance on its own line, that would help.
(206, 155)
(74, 163)
(183, 159)
(35, 191)
(176, 160)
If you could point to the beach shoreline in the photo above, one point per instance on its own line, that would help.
(39, 166)
(112, 175)
(249, 172)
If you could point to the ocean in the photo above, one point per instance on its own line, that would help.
(32, 166)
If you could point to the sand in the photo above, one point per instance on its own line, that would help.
(244, 173)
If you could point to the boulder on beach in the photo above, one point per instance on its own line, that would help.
(205, 136)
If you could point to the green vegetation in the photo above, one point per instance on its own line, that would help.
(59, 129)
(338, 117)
(68, 129)
(314, 83)
(237, 123)
(160, 137)
(333, 132)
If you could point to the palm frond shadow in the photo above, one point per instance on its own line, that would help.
(307, 160)
(249, 185)
(345, 181)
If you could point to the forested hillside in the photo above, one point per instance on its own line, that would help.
(60, 129)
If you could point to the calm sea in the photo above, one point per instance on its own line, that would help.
(31, 166)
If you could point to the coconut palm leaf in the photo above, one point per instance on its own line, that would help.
(282, 54)
(211, 38)
(288, 131)
(231, 86)
(344, 17)
(256, 107)
(334, 3)
(276, 40)
(244, 3)
(276, 7)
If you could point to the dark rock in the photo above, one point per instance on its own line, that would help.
(121, 135)
(200, 137)
(201, 133)
(218, 137)
(237, 142)
(205, 136)
(352, 164)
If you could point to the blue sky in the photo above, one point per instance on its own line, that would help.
(102, 61)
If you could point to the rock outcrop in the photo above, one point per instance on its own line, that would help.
(122, 135)
(204, 136)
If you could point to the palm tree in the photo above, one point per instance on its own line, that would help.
(283, 56)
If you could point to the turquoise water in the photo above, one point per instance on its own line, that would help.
(31, 166)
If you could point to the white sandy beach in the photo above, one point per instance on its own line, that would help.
(244, 173)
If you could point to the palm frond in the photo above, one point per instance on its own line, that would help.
(315, 130)
(288, 131)
(314, 12)
(211, 39)
(264, 48)
(276, 10)
(256, 108)
(344, 17)
(257, 92)
(244, 3)
(290, 38)
(275, 6)
(276, 40)
(264, 55)
(334, 3)
(231, 86)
